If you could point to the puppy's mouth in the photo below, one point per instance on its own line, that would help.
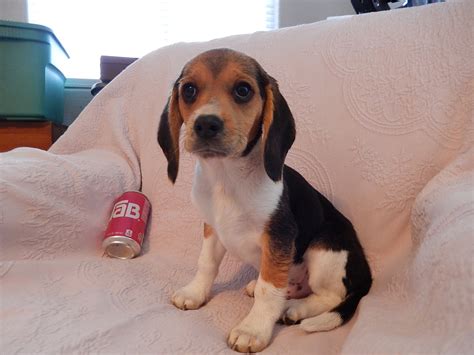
(207, 151)
(210, 154)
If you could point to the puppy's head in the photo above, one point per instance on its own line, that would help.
(227, 102)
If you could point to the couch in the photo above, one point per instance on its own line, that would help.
(383, 104)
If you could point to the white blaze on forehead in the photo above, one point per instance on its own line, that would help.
(212, 108)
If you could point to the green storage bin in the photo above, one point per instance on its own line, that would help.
(31, 83)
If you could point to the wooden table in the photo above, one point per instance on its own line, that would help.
(36, 134)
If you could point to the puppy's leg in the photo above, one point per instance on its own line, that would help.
(310, 306)
(327, 270)
(197, 292)
(254, 332)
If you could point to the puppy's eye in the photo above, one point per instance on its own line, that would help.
(243, 92)
(189, 92)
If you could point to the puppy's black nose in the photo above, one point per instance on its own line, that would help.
(208, 126)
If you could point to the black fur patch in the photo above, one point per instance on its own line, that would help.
(263, 81)
(305, 218)
(166, 144)
(282, 227)
(281, 136)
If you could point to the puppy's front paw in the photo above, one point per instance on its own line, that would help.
(189, 297)
(248, 338)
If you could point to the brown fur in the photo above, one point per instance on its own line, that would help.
(268, 111)
(215, 78)
(208, 231)
(175, 119)
(274, 266)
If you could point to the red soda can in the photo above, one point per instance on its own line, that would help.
(123, 238)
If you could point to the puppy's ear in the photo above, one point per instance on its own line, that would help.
(278, 129)
(168, 132)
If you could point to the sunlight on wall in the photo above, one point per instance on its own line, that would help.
(91, 28)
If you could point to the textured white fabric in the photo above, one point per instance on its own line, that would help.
(384, 111)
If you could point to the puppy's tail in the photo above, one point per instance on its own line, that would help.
(337, 316)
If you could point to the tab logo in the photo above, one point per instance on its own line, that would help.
(126, 209)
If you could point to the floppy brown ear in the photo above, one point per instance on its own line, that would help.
(278, 130)
(168, 133)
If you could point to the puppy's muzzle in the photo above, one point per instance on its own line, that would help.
(208, 126)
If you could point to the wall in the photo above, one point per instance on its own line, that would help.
(297, 12)
(14, 10)
(292, 12)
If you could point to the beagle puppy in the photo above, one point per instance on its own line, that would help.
(312, 268)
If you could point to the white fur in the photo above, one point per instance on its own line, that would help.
(237, 198)
(324, 322)
(326, 270)
(212, 108)
(310, 306)
(254, 332)
(197, 292)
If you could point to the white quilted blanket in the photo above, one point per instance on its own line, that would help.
(384, 111)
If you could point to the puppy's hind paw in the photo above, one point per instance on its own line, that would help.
(293, 314)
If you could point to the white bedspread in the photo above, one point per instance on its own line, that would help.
(384, 111)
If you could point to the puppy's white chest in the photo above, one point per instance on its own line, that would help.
(238, 210)
(238, 230)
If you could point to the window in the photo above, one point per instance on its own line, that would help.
(90, 28)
